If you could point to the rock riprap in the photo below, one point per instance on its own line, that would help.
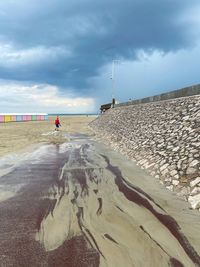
(162, 137)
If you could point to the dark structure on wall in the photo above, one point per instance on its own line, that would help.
(107, 106)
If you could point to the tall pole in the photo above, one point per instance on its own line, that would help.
(113, 76)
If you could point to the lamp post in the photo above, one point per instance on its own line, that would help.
(115, 61)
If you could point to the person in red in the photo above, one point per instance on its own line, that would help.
(57, 123)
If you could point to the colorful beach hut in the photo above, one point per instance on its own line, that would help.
(20, 117)
(2, 118)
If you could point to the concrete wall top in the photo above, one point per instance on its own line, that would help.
(187, 91)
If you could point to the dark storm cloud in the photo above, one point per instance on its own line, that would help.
(82, 36)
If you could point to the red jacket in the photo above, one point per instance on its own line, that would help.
(57, 121)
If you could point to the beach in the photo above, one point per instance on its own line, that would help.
(20, 136)
(82, 204)
(68, 200)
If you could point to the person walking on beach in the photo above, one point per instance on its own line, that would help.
(57, 123)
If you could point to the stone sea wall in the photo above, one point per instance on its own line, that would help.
(162, 137)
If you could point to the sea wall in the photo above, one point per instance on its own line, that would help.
(183, 92)
(162, 137)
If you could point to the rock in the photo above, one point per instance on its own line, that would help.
(176, 176)
(162, 153)
(194, 163)
(194, 151)
(176, 149)
(175, 182)
(164, 172)
(196, 144)
(164, 167)
(170, 187)
(191, 170)
(195, 191)
(173, 173)
(143, 161)
(149, 165)
(179, 164)
(163, 162)
(186, 118)
(195, 182)
(172, 167)
(194, 201)
(190, 159)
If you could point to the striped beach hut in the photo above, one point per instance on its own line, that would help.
(20, 117)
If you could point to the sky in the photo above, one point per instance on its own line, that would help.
(59, 56)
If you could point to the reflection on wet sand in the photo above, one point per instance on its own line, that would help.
(79, 209)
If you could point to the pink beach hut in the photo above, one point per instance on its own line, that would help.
(23, 117)
(29, 117)
(38, 117)
(13, 118)
(1, 118)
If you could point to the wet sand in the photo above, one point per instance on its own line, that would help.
(18, 136)
(82, 204)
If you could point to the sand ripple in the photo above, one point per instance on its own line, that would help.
(119, 220)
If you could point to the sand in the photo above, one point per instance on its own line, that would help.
(81, 204)
(19, 136)
(128, 218)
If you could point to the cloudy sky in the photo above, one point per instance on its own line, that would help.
(56, 56)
